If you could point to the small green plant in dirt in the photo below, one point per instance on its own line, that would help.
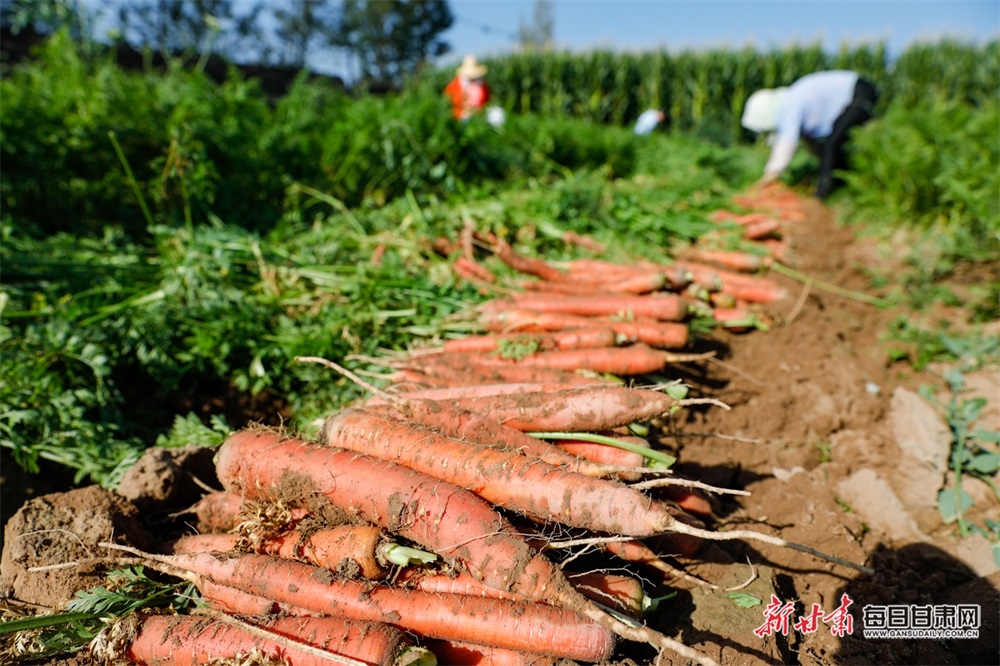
(126, 591)
(975, 453)
(921, 346)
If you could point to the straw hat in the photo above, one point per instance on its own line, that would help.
(761, 111)
(470, 68)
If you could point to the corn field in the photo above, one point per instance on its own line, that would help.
(705, 91)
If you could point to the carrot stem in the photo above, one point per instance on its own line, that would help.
(826, 286)
(404, 556)
(661, 460)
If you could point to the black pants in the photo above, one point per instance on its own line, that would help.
(831, 152)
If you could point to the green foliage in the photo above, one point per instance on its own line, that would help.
(89, 612)
(932, 167)
(921, 346)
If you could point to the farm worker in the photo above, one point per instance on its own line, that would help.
(647, 121)
(820, 108)
(468, 91)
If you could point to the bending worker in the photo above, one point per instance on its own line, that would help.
(820, 108)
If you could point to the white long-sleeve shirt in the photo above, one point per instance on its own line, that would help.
(809, 109)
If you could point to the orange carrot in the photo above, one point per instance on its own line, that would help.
(664, 334)
(738, 218)
(575, 339)
(623, 593)
(533, 488)
(464, 653)
(181, 640)
(587, 409)
(692, 500)
(441, 517)
(531, 627)
(586, 242)
(455, 392)
(664, 307)
(468, 373)
(357, 550)
(634, 359)
(219, 510)
(731, 259)
(473, 271)
(762, 229)
(608, 455)
(457, 422)
(527, 265)
(763, 291)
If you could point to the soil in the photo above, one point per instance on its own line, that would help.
(825, 432)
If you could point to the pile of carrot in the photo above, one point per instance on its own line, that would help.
(421, 525)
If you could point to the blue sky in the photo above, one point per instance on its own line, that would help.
(486, 27)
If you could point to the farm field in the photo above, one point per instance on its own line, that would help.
(856, 414)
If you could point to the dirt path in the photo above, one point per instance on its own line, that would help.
(815, 433)
(820, 411)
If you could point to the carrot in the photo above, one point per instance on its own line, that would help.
(531, 627)
(219, 511)
(763, 291)
(355, 550)
(664, 307)
(664, 334)
(441, 517)
(463, 653)
(587, 409)
(463, 424)
(573, 339)
(623, 593)
(527, 265)
(634, 359)
(473, 271)
(731, 259)
(586, 242)
(692, 500)
(738, 218)
(762, 229)
(608, 455)
(455, 392)
(637, 552)
(186, 640)
(444, 374)
(533, 488)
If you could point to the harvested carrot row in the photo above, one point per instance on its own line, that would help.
(588, 409)
(732, 259)
(441, 517)
(599, 271)
(583, 338)
(573, 238)
(664, 307)
(661, 334)
(634, 359)
(443, 374)
(182, 640)
(622, 593)
(527, 265)
(762, 229)
(473, 271)
(535, 489)
(531, 627)
(738, 218)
